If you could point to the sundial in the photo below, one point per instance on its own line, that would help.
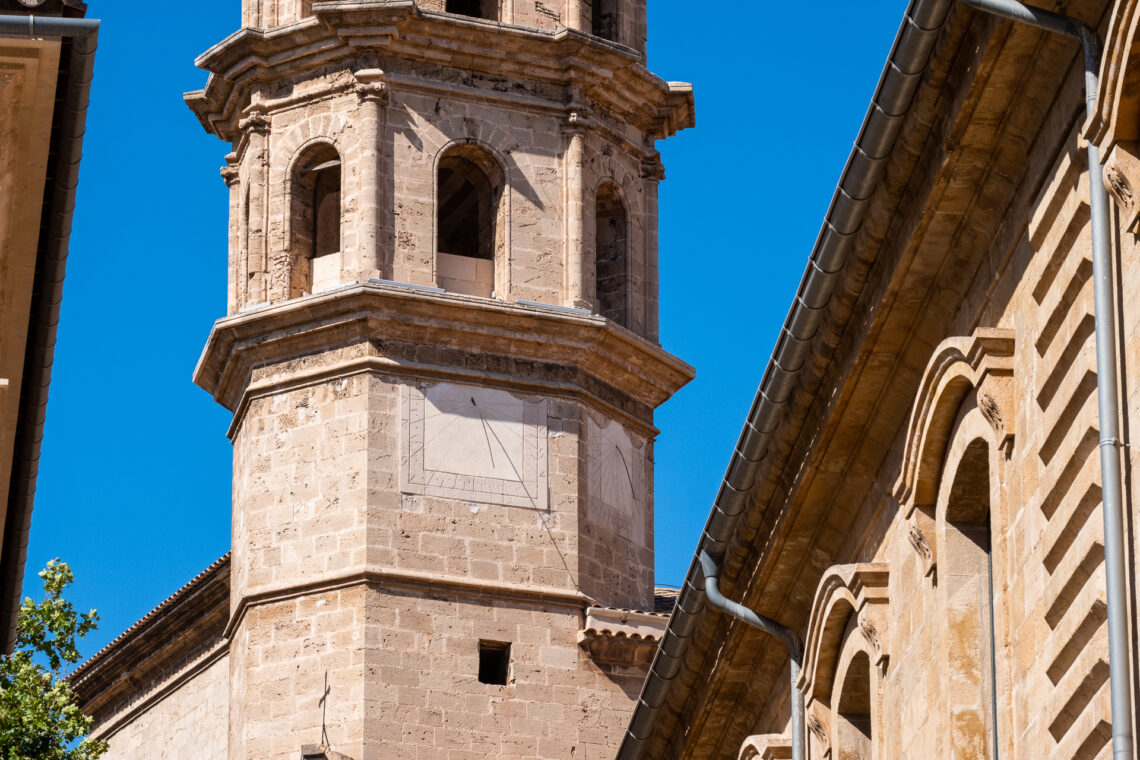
(617, 478)
(474, 443)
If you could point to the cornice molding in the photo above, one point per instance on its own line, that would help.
(958, 366)
(344, 32)
(273, 335)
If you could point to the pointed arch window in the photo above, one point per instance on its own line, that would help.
(315, 221)
(470, 220)
(611, 263)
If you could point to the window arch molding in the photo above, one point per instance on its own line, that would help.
(496, 169)
(293, 269)
(849, 624)
(981, 366)
(765, 747)
(613, 252)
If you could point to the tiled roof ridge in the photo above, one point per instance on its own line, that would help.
(151, 616)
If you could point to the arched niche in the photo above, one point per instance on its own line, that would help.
(979, 367)
(471, 219)
(315, 260)
(612, 278)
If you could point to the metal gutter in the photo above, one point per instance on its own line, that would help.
(861, 175)
(1108, 403)
(51, 258)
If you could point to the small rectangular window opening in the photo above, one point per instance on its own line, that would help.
(494, 662)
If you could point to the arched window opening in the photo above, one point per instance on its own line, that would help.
(488, 9)
(853, 711)
(611, 246)
(469, 221)
(606, 20)
(966, 575)
(315, 221)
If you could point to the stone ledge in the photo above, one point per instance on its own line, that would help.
(411, 324)
(622, 637)
(615, 75)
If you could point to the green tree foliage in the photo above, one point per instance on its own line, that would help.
(39, 719)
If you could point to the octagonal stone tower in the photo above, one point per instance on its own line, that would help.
(441, 354)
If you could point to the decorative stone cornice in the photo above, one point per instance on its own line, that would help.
(653, 168)
(766, 747)
(981, 363)
(612, 75)
(371, 85)
(256, 122)
(1122, 178)
(845, 590)
(622, 637)
(577, 352)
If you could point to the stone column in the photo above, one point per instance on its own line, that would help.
(652, 172)
(577, 292)
(574, 15)
(366, 260)
(232, 177)
(257, 267)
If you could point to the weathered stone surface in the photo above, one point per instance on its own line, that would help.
(443, 410)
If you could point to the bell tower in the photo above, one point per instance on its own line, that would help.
(441, 355)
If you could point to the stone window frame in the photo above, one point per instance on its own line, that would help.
(965, 398)
(295, 277)
(495, 166)
(611, 185)
(849, 619)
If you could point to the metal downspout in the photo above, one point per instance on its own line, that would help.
(772, 628)
(1112, 502)
(84, 34)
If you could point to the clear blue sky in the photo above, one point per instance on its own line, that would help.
(134, 486)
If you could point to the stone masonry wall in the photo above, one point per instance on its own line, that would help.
(187, 723)
(549, 15)
(414, 129)
(424, 696)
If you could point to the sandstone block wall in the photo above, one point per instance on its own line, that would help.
(188, 722)
(627, 29)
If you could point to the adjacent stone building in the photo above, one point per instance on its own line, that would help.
(917, 491)
(441, 355)
(45, 82)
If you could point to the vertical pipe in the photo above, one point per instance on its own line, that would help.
(1112, 501)
(772, 628)
(1108, 404)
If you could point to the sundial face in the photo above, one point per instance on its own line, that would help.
(474, 443)
(617, 478)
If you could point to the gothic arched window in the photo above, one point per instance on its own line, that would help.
(315, 220)
(611, 247)
(470, 220)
